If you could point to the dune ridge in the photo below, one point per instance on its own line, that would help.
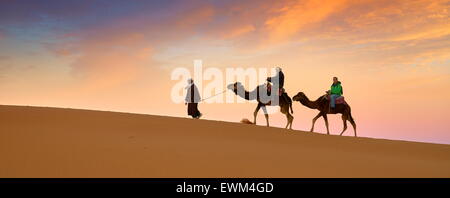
(57, 142)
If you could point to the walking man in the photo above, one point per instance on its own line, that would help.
(192, 99)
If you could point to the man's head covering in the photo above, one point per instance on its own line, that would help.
(190, 81)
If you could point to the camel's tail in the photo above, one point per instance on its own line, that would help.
(246, 121)
(352, 121)
(350, 115)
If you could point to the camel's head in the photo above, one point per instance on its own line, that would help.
(299, 96)
(234, 86)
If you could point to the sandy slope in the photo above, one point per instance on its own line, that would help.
(52, 142)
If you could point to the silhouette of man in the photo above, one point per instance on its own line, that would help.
(192, 99)
(278, 80)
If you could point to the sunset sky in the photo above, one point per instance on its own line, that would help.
(392, 56)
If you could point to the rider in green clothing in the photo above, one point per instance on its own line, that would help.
(335, 91)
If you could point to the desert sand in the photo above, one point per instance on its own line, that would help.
(56, 142)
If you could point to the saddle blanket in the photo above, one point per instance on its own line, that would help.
(339, 100)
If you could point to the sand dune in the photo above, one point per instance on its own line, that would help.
(54, 142)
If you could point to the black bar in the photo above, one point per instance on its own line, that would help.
(261, 186)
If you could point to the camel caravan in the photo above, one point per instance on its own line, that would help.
(330, 103)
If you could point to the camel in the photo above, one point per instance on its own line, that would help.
(239, 90)
(322, 104)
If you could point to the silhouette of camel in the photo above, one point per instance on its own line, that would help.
(239, 90)
(322, 104)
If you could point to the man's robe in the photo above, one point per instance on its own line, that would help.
(193, 98)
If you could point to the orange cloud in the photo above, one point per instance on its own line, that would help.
(433, 32)
(238, 31)
(384, 26)
(297, 15)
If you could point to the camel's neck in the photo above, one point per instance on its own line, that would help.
(310, 104)
(243, 94)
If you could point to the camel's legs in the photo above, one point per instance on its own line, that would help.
(256, 113)
(290, 118)
(287, 124)
(267, 119)
(353, 124)
(344, 118)
(325, 117)
(314, 120)
(290, 105)
(266, 114)
(287, 119)
(285, 110)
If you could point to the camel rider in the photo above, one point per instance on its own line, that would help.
(335, 92)
(278, 79)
